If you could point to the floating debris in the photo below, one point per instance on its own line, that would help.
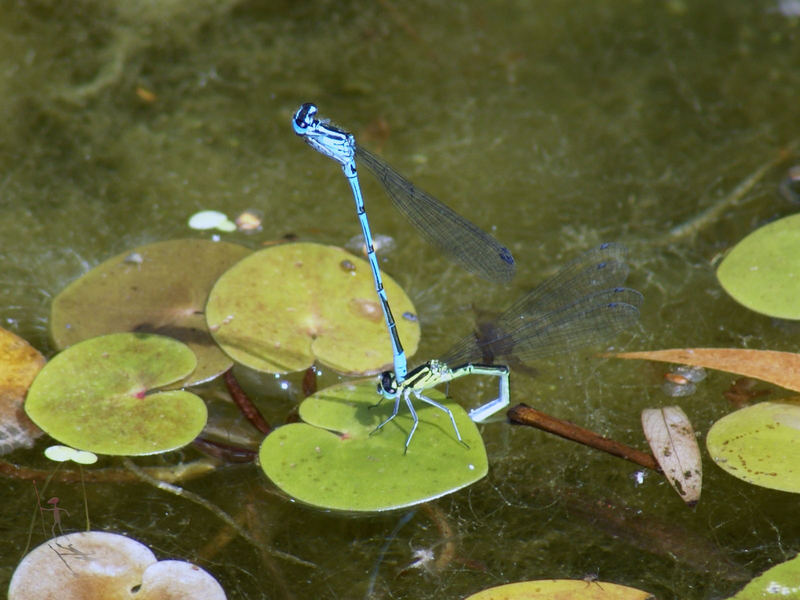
(145, 95)
(681, 380)
(59, 453)
(211, 219)
(134, 258)
(790, 186)
(249, 221)
(381, 243)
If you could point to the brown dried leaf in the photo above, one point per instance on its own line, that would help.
(780, 368)
(19, 364)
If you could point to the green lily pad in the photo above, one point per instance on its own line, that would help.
(159, 288)
(96, 395)
(781, 581)
(333, 462)
(760, 444)
(561, 589)
(284, 307)
(762, 272)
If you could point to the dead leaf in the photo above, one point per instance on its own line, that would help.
(19, 364)
(672, 440)
(780, 368)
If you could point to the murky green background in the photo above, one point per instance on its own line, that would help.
(556, 125)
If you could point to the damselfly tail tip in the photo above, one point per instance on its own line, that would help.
(504, 272)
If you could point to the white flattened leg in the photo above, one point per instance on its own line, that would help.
(483, 412)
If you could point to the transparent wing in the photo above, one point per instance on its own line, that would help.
(464, 242)
(580, 306)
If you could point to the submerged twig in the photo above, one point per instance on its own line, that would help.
(373, 577)
(692, 548)
(211, 507)
(174, 473)
(446, 532)
(225, 452)
(246, 405)
(309, 381)
(712, 214)
(525, 415)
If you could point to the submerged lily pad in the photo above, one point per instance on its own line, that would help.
(19, 364)
(98, 564)
(760, 444)
(284, 307)
(332, 460)
(159, 288)
(97, 395)
(762, 272)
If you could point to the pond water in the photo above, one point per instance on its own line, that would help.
(556, 126)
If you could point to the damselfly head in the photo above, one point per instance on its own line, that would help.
(304, 118)
(387, 386)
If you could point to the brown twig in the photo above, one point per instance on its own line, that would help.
(522, 414)
(246, 405)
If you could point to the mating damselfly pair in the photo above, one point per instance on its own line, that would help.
(584, 303)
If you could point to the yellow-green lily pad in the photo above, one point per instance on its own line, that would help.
(159, 288)
(98, 395)
(760, 444)
(332, 460)
(286, 306)
(762, 272)
(781, 581)
(561, 589)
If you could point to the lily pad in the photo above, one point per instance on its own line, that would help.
(97, 564)
(781, 581)
(159, 288)
(762, 272)
(98, 395)
(19, 364)
(760, 444)
(562, 589)
(332, 460)
(284, 307)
